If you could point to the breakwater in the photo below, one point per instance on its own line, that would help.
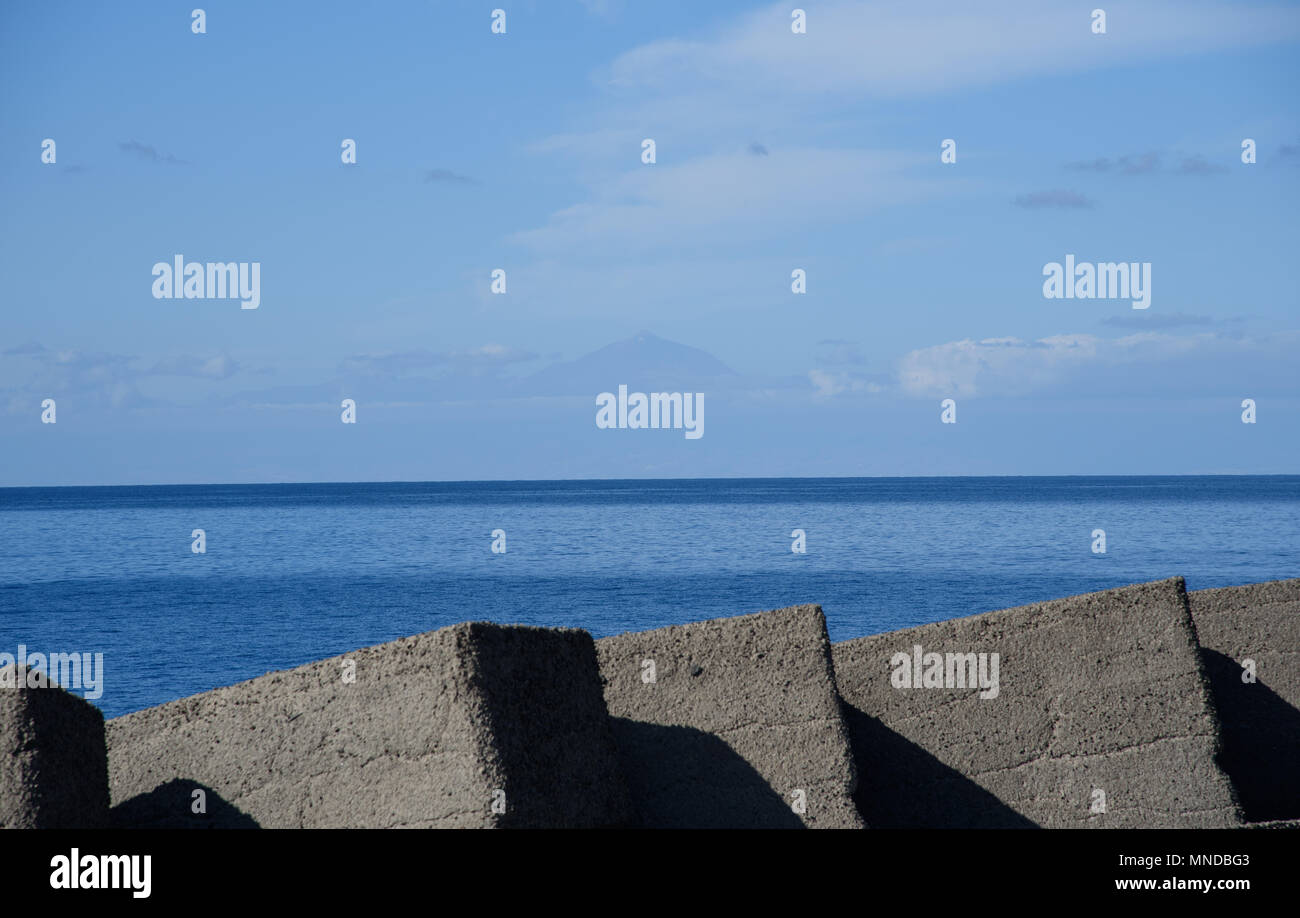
(1143, 706)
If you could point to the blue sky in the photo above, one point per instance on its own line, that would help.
(522, 151)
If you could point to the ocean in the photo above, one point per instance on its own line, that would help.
(297, 572)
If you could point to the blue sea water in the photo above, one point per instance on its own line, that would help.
(294, 573)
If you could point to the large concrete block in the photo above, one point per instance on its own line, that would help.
(54, 773)
(1259, 718)
(1099, 716)
(731, 723)
(436, 730)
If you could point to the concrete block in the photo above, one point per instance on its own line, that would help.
(1259, 719)
(476, 725)
(55, 772)
(1100, 716)
(740, 726)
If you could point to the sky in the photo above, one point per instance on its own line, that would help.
(523, 151)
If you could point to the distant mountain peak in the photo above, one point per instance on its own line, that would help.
(645, 359)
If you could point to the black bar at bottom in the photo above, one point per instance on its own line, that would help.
(334, 868)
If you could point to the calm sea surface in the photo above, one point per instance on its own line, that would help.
(294, 573)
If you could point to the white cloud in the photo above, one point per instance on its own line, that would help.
(729, 197)
(605, 142)
(101, 378)
(705, 98)
(221, 366)
(905, 47)
(831, 383)
(1145, 363)
(486, 358)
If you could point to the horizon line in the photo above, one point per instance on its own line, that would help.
(715, 478)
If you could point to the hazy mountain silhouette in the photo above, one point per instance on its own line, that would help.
(645, 362)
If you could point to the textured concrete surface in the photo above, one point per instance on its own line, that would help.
(1260, 720)
(1100, 692)
(54, 773)
(430, 732)
(742, 715)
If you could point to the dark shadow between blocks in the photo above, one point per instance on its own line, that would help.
(1261, 741)
(171, 806)
(902, 786)
(684, 778)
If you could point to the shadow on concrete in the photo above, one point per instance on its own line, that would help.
(683, 778)
(170, 806)
(902, 786)
(1261, 741)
